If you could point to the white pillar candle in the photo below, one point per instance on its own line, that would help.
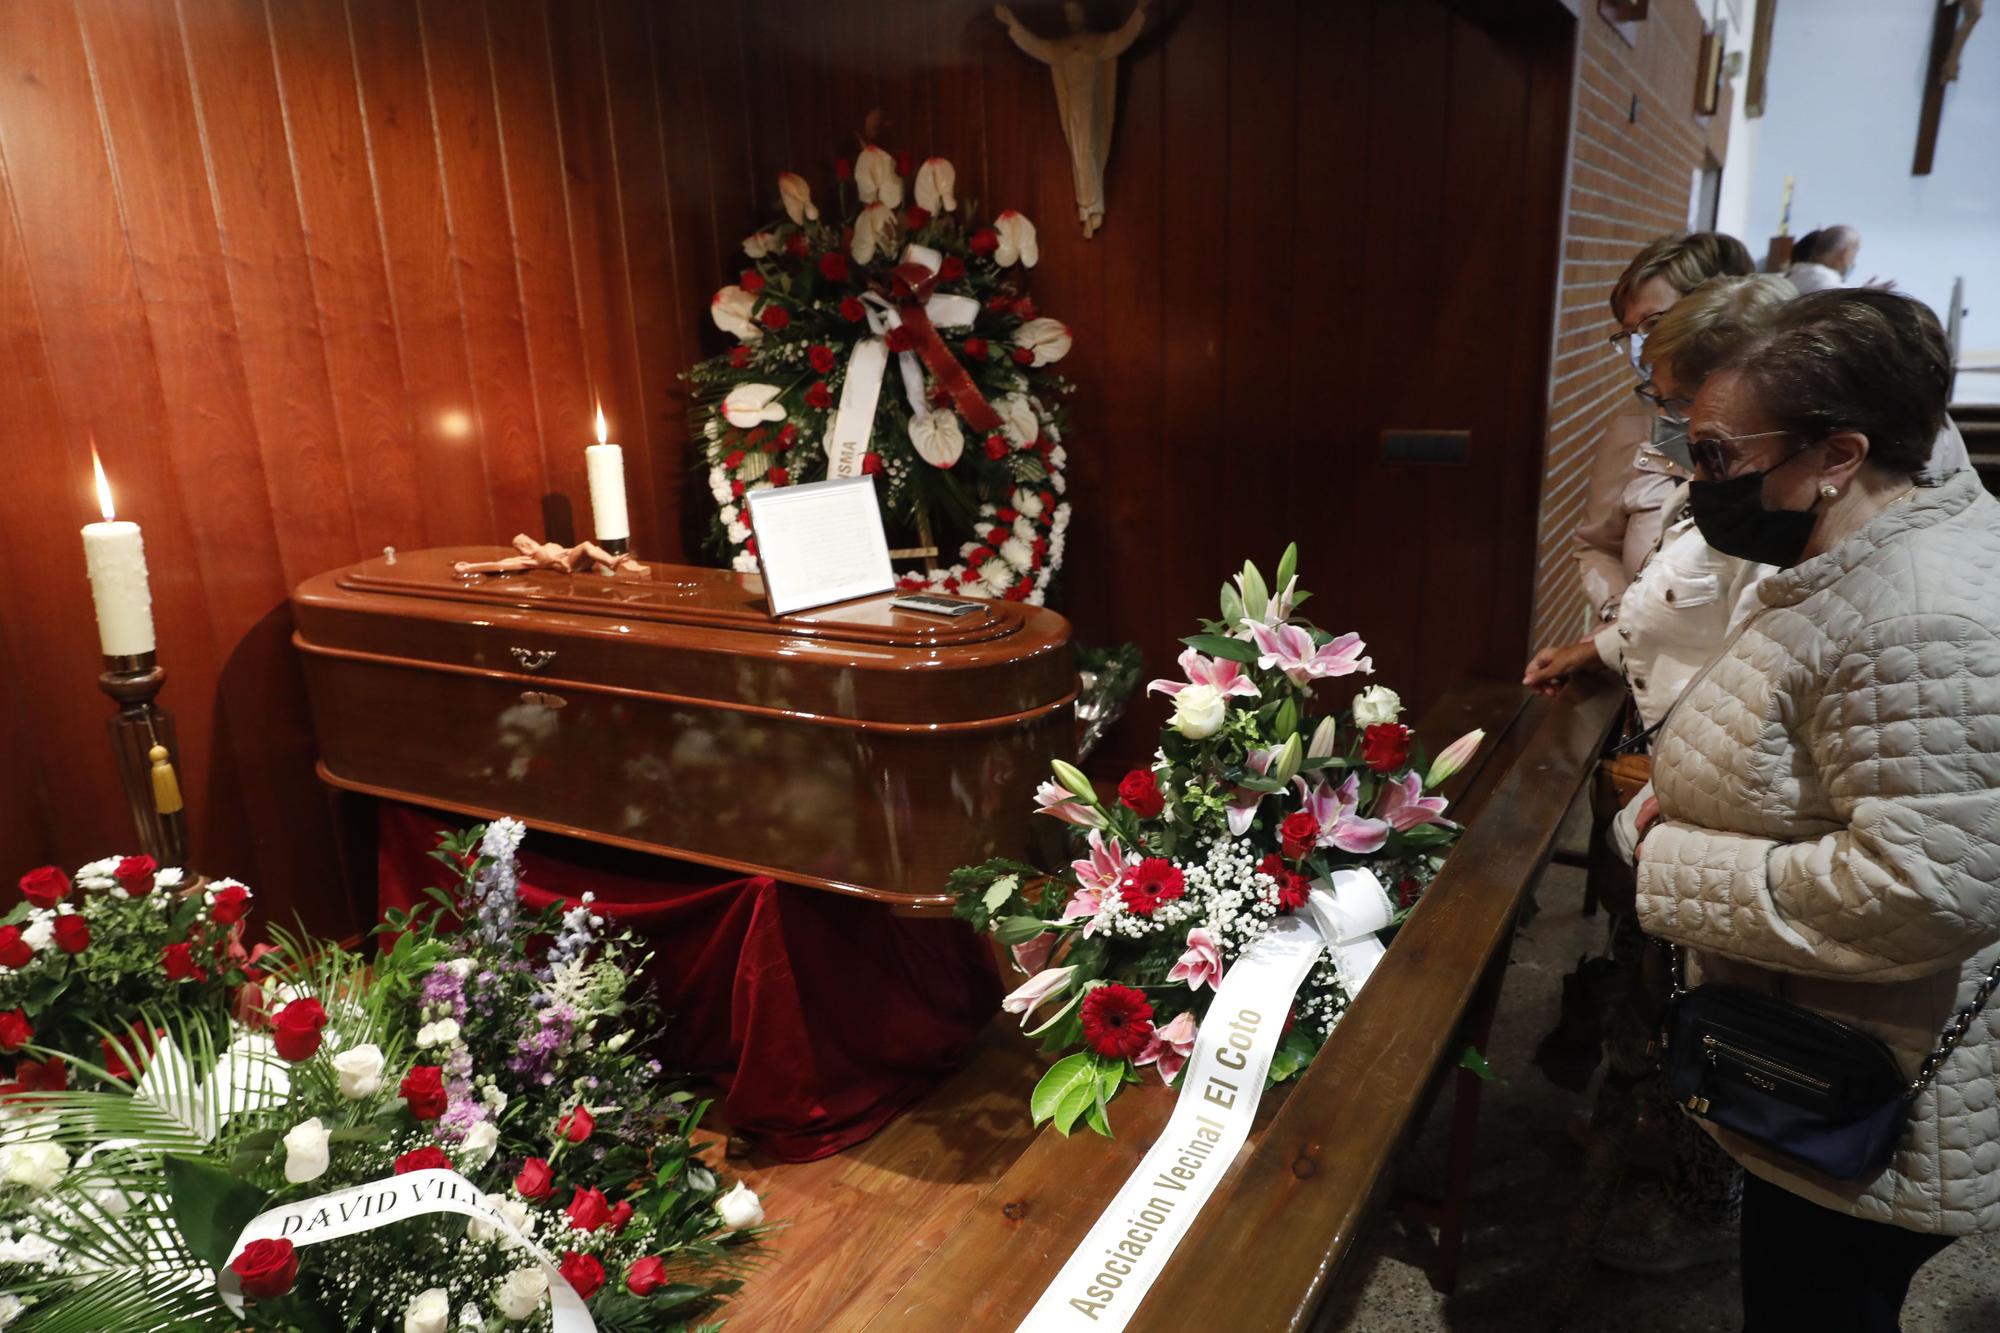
(605, 464)
(115, 557)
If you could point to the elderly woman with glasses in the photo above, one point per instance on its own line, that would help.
(1826, 824)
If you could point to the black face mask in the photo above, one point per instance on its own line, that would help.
(1732, 519)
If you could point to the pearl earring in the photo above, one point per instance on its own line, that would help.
(1830, 491)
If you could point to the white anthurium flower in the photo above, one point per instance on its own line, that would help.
(734, 311)
(1047, 338)
(306, 1151)
(428, 1312)
(749, 405)
(1017, 241)
(936, 179)
(360, 1071)
(521, 1293)
(479, 1143)
(740, 1208)
(1017, 418)
(876, 180)
(873, 233)
(937, 438)
(1376, 705)
(798, 198)
(760, 244)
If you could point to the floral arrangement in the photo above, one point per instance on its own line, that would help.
(482, 1040)
(1257, 790)
(81, 956)
(963, 431)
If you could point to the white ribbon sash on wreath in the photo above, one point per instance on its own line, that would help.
(351, 1211)
(1129, 1245)
(854, 418)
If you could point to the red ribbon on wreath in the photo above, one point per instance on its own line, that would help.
(910, 286)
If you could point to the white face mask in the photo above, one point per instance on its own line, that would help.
(1635, 347)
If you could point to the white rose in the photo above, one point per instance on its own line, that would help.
(740, 1208)
(441, 1033)
(1376, 705)
(513, 1210)
(1198, 712)
(360, 1071)
(38, 1167)
(875, 179)
(733, 311)
(480, 1142)
(521, 1293)
(427, 1312)
(936, 179)
(305, 1151)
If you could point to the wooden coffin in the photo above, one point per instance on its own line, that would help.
(856, 747)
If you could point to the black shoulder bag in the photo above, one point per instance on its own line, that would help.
(1821, 1093)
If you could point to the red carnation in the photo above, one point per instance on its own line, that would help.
(953, 267)
(178, 960)
(15, 1030)
(1385, 746)
(135, 875)
(621, 1213)
(852, 310)
(843, 169)
(1048, 499)
(997, 446)
(752, 281)
(1139, 792)
(774, 317)
(1023, 357)
(978, 556)
(739, 357)
(1006, 513)
(576, 1125)
(45, 887)
(423, 1089)
(229, 905)
(975, 348)
(914, 218)
(984, 241)
(819, 397)
(1153, 881)
(1117, 1020)
(536, 1181)
(899, 339)
(795, 245)
(583, 1272)
(871, 463)
(820, 357)
(779, 476)
(645, 1275)
(295, 1029)
(14, 951)
(427, 1158)
(750, 546)
(736, 489)
(588, 1209)
(1300, 833)
(266, 1268)
(733, 459)
(72, 933)
(833, 266)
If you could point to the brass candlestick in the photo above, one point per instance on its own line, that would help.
(143, 744)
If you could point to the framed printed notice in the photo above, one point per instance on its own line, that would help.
(821, 542)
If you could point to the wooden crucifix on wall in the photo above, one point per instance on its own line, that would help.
(1955, 22)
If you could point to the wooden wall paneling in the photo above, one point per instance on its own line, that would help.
(472, 171)
(545, 272)
(27, 824)
(313, 57)
(958, 38)
(102, 361)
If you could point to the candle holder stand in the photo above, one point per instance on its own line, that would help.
(143, 744)
(616, 545)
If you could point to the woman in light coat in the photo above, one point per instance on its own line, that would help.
(1826, 825)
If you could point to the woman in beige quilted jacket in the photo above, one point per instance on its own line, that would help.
(1827, 816)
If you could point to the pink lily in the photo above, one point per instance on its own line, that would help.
(1338, 823)
(1097, 877)
(1201, 965)
(1170, 1047)
(1291, 648)
(1062, 804)
(1221, 675)
(1277, 609)
(1033, 954)
(1035, 990)
(1403, 805)
(1242, 808)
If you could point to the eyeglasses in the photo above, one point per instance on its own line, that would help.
(1640, 331)
(1712, 457)
(1674, 409)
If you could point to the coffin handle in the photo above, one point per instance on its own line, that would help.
(533, 659)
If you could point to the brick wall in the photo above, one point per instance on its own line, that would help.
(1628, 183)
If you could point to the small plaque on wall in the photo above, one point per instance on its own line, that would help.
(819, 543)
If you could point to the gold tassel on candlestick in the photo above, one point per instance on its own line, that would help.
(166, 787)
(142, 740)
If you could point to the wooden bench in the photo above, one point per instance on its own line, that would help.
(959, 1214)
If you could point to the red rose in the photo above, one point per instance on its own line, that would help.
(899, 339)
(645, 1275)
(1023, 357)
(621, 1213)
(588, 1209)
(423, 1089)
(72, 933)
(774, 317)
(852, 310)
(50, 1075)
(871, 463)
(779, 476)
(1385, 746)
(1153, 881)
(583, 1272)
(14, 951)
(976, 348)
(819, 397)
(1024, 306)
(229, 905)
(997, 446)
(1139, 792)
(733, 459)
(820, 357)
(427, 1158)
(833, 266)
(45, 887)
(1000, 304)
(739, 357)
(953, 267)
(752, 281)
(178, 960)
(914, 218)
(138, 1041)
(1408, 890)
(785, 438)
(295, 1029)
(843, 169)
(1300, 833)
(266, 1268)
(576, 1125)
(755, 437)
(984, 241)
(135, 875)
(736, 489)
(536, 1181)
(1117, 1020)
(795, 245)
(15, 1030)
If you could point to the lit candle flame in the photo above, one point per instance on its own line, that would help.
(603, 431)
(103, 485)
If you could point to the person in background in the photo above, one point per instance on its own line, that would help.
(1824, 259)
(1621, 518)
(1826, 825)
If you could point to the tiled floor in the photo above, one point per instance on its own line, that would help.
(1530, 1174)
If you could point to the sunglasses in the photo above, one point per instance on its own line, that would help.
(1713, 457)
